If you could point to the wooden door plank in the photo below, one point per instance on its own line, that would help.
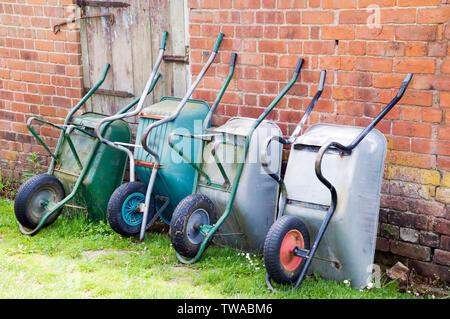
(122, 61)
(141, 47)
(99, 47)
(178, 44)
(159, 15)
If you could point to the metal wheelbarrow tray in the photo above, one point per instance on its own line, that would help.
(331, 197)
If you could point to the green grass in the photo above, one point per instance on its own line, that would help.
(74, 258)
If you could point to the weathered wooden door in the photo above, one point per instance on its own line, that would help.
(130, 40)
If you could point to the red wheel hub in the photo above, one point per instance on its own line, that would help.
(292, 239)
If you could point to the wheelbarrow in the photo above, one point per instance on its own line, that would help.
(80, 167)
(164, 178)
(230, 163)
(338, 212)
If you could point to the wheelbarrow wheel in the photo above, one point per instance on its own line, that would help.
(30, 204)
(123, 212)
(281, 264)
(193, 211)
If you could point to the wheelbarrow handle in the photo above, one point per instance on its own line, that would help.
(182, 102)
(310, 107)
(382, 114)
(163, 41)
(88, 94)
(281, 94)
(296, 132)
(207, 120)
(218, 42)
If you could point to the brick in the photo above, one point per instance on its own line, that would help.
(249, 31)
(437, 49)
(338, 4)
(414, 175)
(433, 15)
(270, 17)
(430, 270)
(354, 79)
(294, 32)
(288, 4)
(445, 243)
(444, 99)
(441, 226)
(416, 49)
(411, 129)
(441, 257)
(397, 16)
(416, 33)
(418, 3)
(357, 48)
(380, 33)
(443, 194)
(317, 17)
(382, 244)
(318, 47)
(412, 159)
(444, 132)
(373, 64)
(354, 16)
(412, 251)
(409, 235)
(387, 80)
(431, 82)
(272, 46)
(429, 239)
(247, 4)
(430, 147)
(338, 33)
(414, 65)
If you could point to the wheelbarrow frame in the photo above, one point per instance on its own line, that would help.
(209, 230)
(308, 254)
(66, 129)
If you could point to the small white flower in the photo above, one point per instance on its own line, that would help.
(369, 285)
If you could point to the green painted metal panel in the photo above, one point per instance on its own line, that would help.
(175, 179)
(106, 169)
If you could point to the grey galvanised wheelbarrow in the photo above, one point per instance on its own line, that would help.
(223, 203)
(340, 211)
(82, 172)
(164, 178)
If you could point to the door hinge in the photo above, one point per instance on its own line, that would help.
(178, 58)
(57, 27)
(105, 4)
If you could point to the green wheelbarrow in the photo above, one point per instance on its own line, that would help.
(82, 172)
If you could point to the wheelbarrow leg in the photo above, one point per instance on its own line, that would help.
(147, 202)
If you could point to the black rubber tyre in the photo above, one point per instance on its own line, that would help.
(186, 238)
(281, 270)
(121, 213)
(28, 206)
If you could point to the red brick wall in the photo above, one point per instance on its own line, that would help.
(40, 74)
(365, 68)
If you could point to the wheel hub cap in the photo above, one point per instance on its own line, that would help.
(292, 239)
